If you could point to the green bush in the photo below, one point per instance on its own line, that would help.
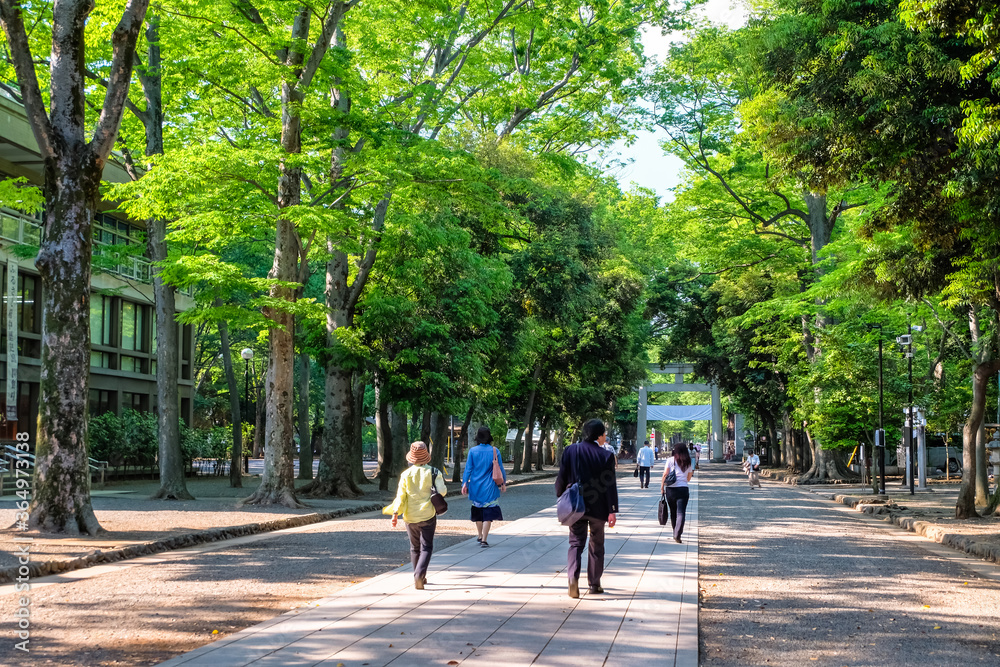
(106, 439)
(131, 440)
(206, 443)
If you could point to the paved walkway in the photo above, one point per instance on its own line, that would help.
(503, 605)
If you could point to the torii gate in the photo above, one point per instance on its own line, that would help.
(715, 409)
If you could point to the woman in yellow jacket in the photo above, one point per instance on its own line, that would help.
(413, 501)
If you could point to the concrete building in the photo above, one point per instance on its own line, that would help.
(122, 317)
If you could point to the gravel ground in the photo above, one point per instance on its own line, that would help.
(141, 615)
(787, 578)
(936, 506)
(129, 516)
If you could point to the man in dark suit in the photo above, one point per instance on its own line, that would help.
(588, 463)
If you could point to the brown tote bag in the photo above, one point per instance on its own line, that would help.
(497, 472)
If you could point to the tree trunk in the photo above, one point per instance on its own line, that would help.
(560, 445)
(528, 425)
(305, 442)
(357, 456)
(277, 484)
(73, 168)
(61, 500)
(542, 444)
(383, 433)
(516, 452)
(236, 458)
(260, 417)
(171, 459)
(460, 444)
(982, 469)
(400, 441)
(772, 438)
(529, 445)
(425, 428)
(439, 440)
(965, 507)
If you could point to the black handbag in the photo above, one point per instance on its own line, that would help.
(662, 513)
(671, 476)
(635, 473)
(437, 500)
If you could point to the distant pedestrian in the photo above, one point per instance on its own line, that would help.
(752, 467)
(677, 493)
(645, 460)
(695, 452)
(610, 448)
(413, 501)
(589, 464)
(478, 484)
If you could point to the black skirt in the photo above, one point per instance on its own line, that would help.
(486, 513)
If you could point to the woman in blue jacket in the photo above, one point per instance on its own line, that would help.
(478, 484)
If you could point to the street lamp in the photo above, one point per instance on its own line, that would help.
(247, 355)
(907, 341)
(880, 432)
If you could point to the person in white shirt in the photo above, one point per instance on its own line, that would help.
(677, 494)
(609, 447)
(750, 467)
(645, 460)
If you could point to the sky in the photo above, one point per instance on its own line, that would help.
(649, 166)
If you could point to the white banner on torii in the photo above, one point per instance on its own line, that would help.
(678, 413)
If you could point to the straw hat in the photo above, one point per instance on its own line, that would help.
(418, 455)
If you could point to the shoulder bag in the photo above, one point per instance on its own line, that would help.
(437, 500)
(497, 471)
(571, 507)
(672, 475)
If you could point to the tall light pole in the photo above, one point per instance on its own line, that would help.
(247, 355)
(907, 341)
(880, 432)
(909, 409)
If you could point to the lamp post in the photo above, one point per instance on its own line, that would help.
(880, 432)
(247, 355)
(907, 341)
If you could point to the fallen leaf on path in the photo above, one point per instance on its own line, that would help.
(937, 627)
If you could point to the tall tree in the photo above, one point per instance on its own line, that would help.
(73, 168)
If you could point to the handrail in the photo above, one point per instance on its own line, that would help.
(11, 451)
(23, 229)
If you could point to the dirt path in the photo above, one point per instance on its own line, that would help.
(791, 579)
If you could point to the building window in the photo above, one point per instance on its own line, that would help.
(28, 306)
(101, 401)
(100, 359)
(131, 401)
(109, 231)
(100, 320)
(133, 364)
(134, 326)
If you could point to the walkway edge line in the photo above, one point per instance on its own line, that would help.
(99, 557)
(926, 529)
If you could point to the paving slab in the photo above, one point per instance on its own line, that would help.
(505, 604)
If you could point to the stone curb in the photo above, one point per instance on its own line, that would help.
(99, 557)
(926, 529)
(793, 478)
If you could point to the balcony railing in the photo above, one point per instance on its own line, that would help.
(24, 229)
(27, 230)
